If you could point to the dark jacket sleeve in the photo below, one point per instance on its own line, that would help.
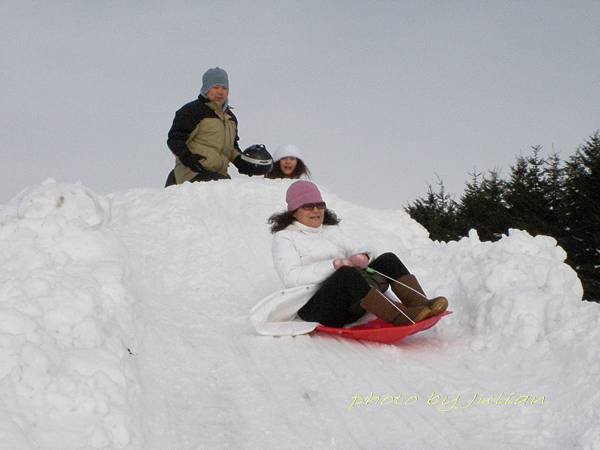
(236, 144)
(184, 123)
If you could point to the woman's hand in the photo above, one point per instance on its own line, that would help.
(337, 263)
(360, 260)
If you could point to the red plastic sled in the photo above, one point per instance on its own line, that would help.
(379, 331)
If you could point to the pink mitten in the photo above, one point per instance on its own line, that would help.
(360, 260)
(337, 263)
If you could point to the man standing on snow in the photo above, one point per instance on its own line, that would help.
(204, 137)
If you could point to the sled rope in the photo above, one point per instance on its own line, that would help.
(371, 270)
(393, 303)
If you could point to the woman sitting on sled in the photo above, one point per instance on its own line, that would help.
(326, 276)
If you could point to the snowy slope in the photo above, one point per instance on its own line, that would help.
(123, 324)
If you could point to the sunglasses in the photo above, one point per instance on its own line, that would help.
(311, 206)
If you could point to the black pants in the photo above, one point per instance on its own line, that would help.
(337, 301)
(206, 176)
(170, 179)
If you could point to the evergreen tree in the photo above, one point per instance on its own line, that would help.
(554, 193)
(541, 197)
(482, 206)
(436, 212)
(582, 215)
(525, 194)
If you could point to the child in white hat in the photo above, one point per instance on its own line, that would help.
(288, 163)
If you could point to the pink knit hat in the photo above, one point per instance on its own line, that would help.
(300, 193)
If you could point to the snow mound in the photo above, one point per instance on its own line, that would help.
(73, 203)
(124, 324)
(510, 294)
(65, 322)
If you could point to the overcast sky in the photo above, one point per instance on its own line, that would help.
(381, 96)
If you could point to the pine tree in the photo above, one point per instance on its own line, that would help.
(482, 206)
(436, 212)
(554, 194)
(541, 197)
(525, 194)
(582, 215)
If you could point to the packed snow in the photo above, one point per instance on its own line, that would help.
(124, 324)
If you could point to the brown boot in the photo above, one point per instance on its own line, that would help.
(410, 292)
(393, 312)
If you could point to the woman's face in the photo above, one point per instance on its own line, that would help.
(311, 215)
(288, 165)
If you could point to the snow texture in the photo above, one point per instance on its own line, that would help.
(124, 324)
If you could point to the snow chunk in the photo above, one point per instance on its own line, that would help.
(73, 202)
(66, 377)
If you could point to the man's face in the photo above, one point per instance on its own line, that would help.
(218, 94)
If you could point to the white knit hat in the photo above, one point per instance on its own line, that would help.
(286, 150)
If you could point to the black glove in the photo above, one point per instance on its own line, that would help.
(192, 161)
(242, 166)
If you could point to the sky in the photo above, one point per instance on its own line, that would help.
(382, 97)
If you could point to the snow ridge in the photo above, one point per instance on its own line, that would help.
(66, 376)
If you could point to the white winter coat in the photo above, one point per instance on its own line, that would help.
(303, 257)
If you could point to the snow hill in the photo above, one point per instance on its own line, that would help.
(124, 324)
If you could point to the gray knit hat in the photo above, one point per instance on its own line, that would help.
(212, 77)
